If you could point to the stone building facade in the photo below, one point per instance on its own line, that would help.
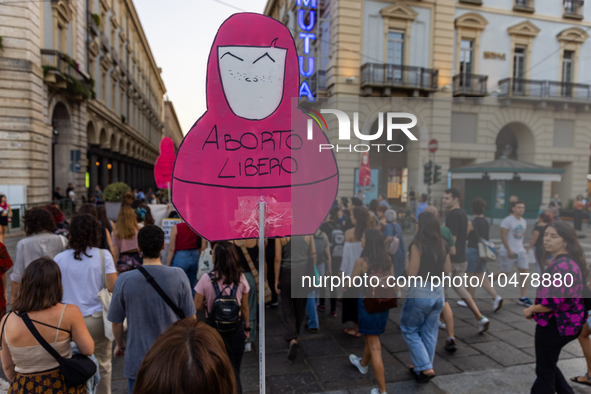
(77, 76)
(498, 72)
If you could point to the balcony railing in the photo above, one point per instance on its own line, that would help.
(52, 59)
(92, 25)
(517, 87)
(524, 5)
(573, 9)
(318, 81)
(398, 76)
(470, 85)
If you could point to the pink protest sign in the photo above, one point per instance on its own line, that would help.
(164, 163)
(251, 145)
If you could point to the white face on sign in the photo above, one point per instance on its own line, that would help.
(252, 79)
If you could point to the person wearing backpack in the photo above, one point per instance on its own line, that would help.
(223, 294)
(324, 266)
(335, 231)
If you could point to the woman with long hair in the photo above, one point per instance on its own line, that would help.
(27, 365)
(559, 310)
(200, 363)
(374, 259)
(5, 215)
(82, 266)
(125, 232)
(351, 252)
(105, 240)
(102, 216)
(428, 257)
(227, 274)
(248, 249)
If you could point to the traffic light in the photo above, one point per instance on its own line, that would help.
(428, 172)
(436, 173)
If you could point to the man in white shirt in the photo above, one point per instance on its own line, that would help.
(512, 251)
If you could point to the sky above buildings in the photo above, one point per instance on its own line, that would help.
(180, 34)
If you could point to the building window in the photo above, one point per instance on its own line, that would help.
(573, 9)
(466, 62)
(567, 66)
(395, 54)
(519, 69)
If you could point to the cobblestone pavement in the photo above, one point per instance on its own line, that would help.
(500, 361)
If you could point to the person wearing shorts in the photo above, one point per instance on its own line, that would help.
(512, 251)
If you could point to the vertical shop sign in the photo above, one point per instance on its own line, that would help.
(307, 18)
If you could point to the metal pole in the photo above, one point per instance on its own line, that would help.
(262, 297)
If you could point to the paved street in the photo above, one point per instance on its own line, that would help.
(501, 360)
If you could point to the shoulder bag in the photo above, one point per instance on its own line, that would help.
(381, 297)
(161, 292)
(255, 273)
(105, 297)
(486, 249)
(76, 370)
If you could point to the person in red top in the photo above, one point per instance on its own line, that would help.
(184, 249)
(5, 265)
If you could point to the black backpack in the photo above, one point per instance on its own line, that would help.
(337, 240)
(319, 243)
(225, 313)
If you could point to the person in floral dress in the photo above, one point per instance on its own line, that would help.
(559, 310)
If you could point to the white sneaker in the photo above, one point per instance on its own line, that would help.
(483, 324)
(376, 391)
(442, 325)
(497, 303)
(356, 361)
(462, 303)
(248, 347)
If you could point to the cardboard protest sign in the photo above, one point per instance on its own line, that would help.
(167, 225)
(243, 149)
(164, 163)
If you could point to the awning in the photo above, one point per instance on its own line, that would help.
(467, 175)
(500, 176)
(540, 177)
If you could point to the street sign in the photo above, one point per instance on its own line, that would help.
(75, 167)
(75, 155)
(433, 145)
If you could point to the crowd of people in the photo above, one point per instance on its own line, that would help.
(64, 273)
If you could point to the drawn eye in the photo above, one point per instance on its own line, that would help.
(267, 55)
(231, 54)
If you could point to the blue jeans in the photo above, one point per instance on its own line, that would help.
(187, 260)
(130, 383)
(419, 324)
(253, 304)
(313, 301)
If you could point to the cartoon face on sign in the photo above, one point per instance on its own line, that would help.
(252, 79)
(251, 146)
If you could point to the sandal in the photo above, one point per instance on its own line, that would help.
(293, 351)
(586, 383)
(352, 332)
(411, 369)
(424, 378)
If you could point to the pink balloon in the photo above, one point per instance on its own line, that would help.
(251, 145)
(164, 163)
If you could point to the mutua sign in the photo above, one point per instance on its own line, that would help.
(307, 10)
